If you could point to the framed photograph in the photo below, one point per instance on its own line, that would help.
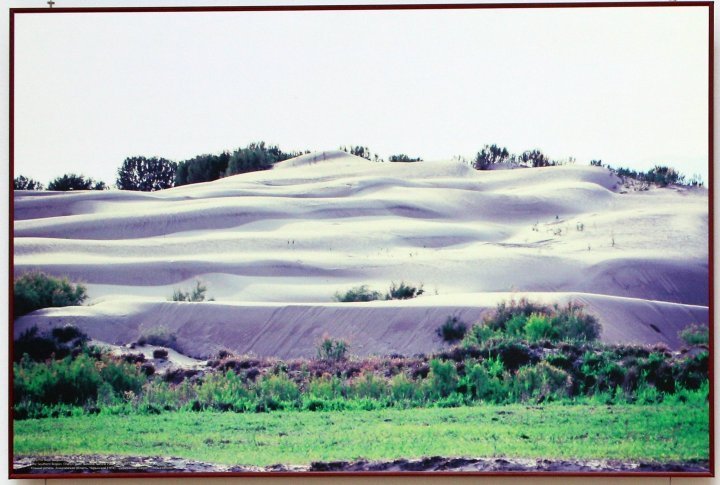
(361, 239)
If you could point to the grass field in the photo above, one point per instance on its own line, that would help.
(656, 433)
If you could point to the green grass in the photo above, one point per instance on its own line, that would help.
(658, 433)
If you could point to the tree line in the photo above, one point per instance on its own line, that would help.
(149, 174)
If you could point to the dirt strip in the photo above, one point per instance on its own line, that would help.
(110, 464)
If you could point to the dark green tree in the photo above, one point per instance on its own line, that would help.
(535, 158)
(146, 174)
(663, 176)
(202, 168)
(490, 155)
(72, 181)
(23, 183)
(403, 158)
(256, 156)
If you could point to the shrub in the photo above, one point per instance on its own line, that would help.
(223, 392)
(159, 395)
(404, 389)
(279, 388)
(72, 380)
(540, 382)
(513, 354)
(197, 294)
(37, 347)
(691, 372)
(442, 379)
(484, 381)
(23, 183)
(572, 323)
(369, 386)
(36, 290)
(452, 330)
(361, 151)
(551, 323)
(538, 327)
(403, 158)
(67, 333)
(326, 388)
(535, 158)
(160, 336)
(160, 354)
(663, 176)
(695, 334)
(515, 327)
(660, 175)
(479, 333)
(403, 291)
(332, 349)
(359, 293)
(505, 311)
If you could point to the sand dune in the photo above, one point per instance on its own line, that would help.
(273, 247)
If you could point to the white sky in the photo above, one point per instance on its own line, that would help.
(625, 85)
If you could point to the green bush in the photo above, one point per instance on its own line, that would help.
(478, 334)
(538, 327)
(523, 319)
(507, 311)
(36, 290)
(403, 158)
(403, 291)
(197, 294)
(484, 381)
(402, 389)
(442, 379)
(369, 386)
(695, 334)
(72, 380)
(572, 323)
(540, 382)
(326, 388)
(359, 293)
(332, 349)
(279, 388)
(693, 370)
(224, 392)
(452, 330)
